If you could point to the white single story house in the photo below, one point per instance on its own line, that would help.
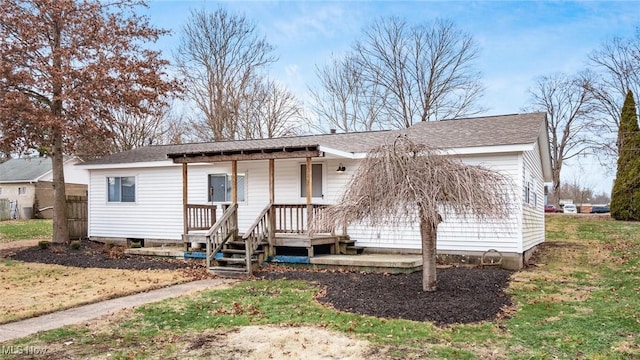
(27, 185)
(160, 193)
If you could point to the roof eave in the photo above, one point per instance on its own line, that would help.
(342, 153)
(21, 181)
(545, 152)
(129, 165)
(264, 153)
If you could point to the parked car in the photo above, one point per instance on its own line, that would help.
(552, 209)
(600, 209)
(570, 209)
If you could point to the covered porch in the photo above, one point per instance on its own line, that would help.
(214, 227)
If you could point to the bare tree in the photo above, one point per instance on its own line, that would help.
(130, 131)
(63, 65)
(581, 193)
(426, 186)
(344, 101)
(272, 111)
(220, 57)
(427, 70)
(617, 61)
(569, 105)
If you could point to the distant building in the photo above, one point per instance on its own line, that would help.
(27, 184)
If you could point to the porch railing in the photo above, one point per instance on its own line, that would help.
(294, 218)
(225, 229)
(259, 233)
(200, 217)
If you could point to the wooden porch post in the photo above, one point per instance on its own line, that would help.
(234, 193)
(272, 181)
(309, 192)
(234, 181)
(185, 200)
(272, 213)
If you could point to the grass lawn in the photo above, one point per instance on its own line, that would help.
(14, 230)
(580, 300)
(30, 289)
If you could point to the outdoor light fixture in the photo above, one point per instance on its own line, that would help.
(341, 168)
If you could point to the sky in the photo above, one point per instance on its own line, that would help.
(519, 41)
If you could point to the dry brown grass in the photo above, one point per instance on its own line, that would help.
(30, 289)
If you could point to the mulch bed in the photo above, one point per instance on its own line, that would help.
(465, 295)
(93, 254)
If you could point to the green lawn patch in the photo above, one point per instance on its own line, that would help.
(579, 300)
(13, 230)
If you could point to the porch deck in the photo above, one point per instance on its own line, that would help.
(390, 263)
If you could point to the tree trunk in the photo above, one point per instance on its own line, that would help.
(60, 226)
(555, 173)
(428, 233)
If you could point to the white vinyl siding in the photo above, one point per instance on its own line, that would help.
(533, 212)
(456, 233)
(157, 212)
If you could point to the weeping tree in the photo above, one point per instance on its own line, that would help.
(405, 182)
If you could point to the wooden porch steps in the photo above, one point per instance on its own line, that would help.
(347, 246)
(233, 262)
(229, 272)
(239, 251)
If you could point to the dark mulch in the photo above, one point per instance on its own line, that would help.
(93, 254)
(465, 295)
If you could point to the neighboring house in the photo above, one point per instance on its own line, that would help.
(27, 184)
(148, 193)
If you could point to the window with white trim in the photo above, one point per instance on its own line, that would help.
(316, 180)
(22, 190)
(121, 189)
(219, 188)
(530, 195)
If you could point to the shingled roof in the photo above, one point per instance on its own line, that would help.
(446, 134)
(24, 169)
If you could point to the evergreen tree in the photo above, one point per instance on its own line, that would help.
(625, 197)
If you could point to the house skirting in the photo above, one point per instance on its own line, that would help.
(145, 242)
(507, 260)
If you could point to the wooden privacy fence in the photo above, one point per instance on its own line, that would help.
(77, 216)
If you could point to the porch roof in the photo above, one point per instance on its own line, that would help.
(446, 134)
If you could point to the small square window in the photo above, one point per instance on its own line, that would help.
(121, 189)
(22, 190)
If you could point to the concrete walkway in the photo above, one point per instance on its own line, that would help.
(18, 329)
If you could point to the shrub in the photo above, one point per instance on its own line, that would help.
(44, 244)
(625, 197)
(75, 245)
